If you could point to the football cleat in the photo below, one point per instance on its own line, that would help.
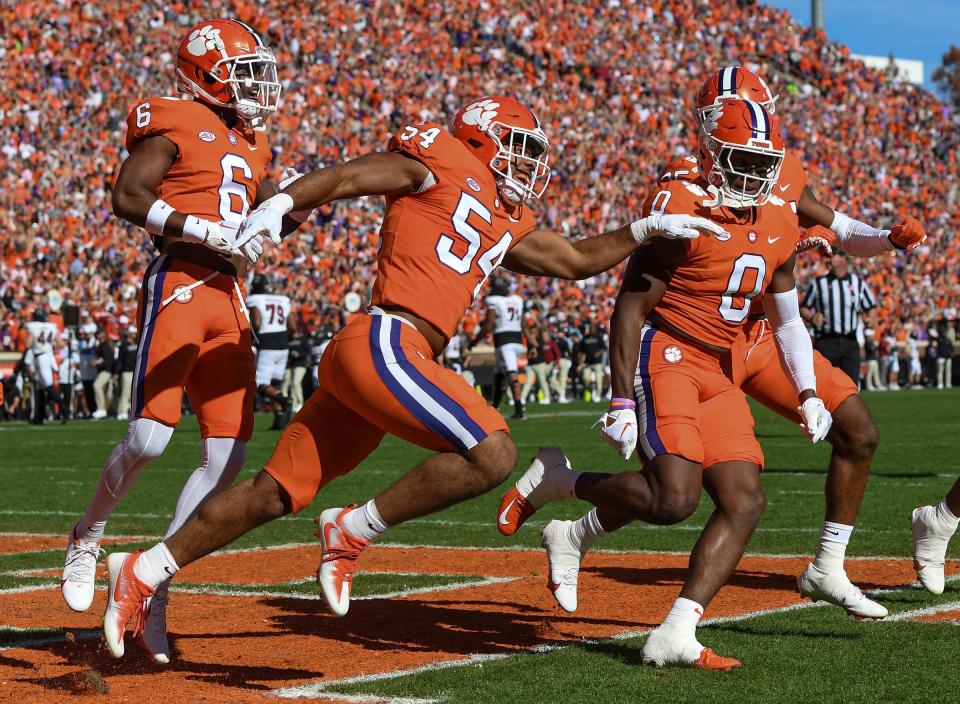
(929, 549)
(542, 483)
(127, 600)
(563, 560)
(79, 572)
(669, 646)
(835, 588)
(154, 636)
(339, 559)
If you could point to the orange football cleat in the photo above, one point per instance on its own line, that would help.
(127, 599)
(339, 559)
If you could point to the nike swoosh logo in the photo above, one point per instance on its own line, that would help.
(253, 149)
(118, 591)
(833, 532)
(771, 240)
(503, 516)
(167, 570)
(784, 187)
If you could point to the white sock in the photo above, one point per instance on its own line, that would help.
(684, 615)
(587, 530)
(155, 565)
(93, 532)
(365, 522)
(833, 546)
(947, 522)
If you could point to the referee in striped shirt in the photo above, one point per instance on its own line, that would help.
(833, 306)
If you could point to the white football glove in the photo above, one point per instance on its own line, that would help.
(816, 419)
(218, 236)
(290, 175)
(673, 227)
(619, 430)
(265, 220)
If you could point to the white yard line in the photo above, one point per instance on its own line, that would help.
(452, 586)
(929, 611)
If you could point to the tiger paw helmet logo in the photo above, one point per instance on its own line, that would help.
(480, 113)
(711, 118)
(203, 40)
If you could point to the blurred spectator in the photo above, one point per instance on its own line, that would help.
(104, 361)
(353, 73)
(126, 362)
(590, 361)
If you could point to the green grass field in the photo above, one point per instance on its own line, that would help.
(810, 654)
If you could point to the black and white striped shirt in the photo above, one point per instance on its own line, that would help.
(841, 301)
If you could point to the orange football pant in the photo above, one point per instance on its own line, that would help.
(687, 404)
(193, 333)
(377, 376)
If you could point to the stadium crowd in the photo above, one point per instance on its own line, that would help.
(612, 81)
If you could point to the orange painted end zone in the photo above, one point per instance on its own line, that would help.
(238, 648)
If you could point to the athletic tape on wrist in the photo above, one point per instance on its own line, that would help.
(195, 229)
(157, 216)
(617, 404)
(638, 228)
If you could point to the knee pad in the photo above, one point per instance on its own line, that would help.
(147, 439)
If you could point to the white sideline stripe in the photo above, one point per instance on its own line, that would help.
(28, 588)
(82, 634)
(929, 611)
(324, 689)
(452, 586)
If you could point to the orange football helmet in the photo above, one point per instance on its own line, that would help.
(225, 63)
(734, 83)
(741, 152)
(506, 135)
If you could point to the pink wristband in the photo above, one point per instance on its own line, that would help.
(619, 403)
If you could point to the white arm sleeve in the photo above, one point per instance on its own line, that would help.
(793, 341)
(858, 238)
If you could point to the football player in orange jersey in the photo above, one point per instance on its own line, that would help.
(673, 335)
(854, 436)
(455, 212)
(195, 168)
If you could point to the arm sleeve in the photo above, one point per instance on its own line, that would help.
(793, 341)
(858, 238)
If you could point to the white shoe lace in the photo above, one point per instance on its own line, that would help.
(82, 561)
(569, 577)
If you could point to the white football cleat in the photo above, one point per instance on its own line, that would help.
(154, 636)
(563, 560)
(670, 646)
(339, 559)
(929, 549)
(79, 572)
(836, 588)
(543, 482)
(127, 600)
